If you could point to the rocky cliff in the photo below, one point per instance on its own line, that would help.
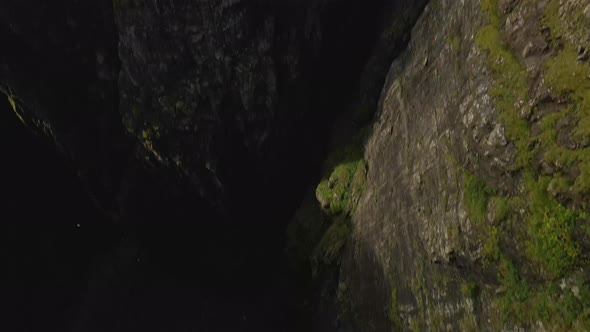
(439, 155)
(474, 209)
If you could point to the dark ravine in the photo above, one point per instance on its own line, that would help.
(314, 165)
(194, 130)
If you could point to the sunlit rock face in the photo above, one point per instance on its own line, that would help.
(478, 162)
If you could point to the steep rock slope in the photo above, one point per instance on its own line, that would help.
(473, 215)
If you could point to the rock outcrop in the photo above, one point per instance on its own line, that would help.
(474, 215)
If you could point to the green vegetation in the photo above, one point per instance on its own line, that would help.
(12, 102)
(340, 189)
(454, 42)
(501, 207)
(510, 84)
(477, 194)
(572, 79)
(551, 19)
(559, 305)
(491, 246)
(470, 290)
(477, 198)
(550, 230)
(393, 311)
(322, 227)
(576, 24)
(337, 193)
(516, 291)
(490, 9)
(552, 250)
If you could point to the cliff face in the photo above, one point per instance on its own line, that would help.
(474, 215)
(458, 200)
(200, 84)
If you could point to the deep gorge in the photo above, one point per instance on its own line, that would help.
(124, 238)
(316, 165)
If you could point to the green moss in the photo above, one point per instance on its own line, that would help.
(550, 230)
(393, 311)
(12, 102)
(552, 240)
(337, 193)
(333, 240)
(476, 196)
(509, 88)
(559, 309)
(501, 208)
(551, 19)
(582, 183)
(470, 290)
(576, 24)
(559, 185)
(566, 75)
(570, 78)
(491, 246)
(466, 324)
(516, 291)
(562, 157)
(490, 9)
(454, 42)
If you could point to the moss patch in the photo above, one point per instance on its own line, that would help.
(551, 246)
(550, 229)
(12, 103)
(470, 290)
(337, 192)
(509, 89)
(393, 311)
(477, 194)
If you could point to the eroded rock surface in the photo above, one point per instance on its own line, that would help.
(467, 175)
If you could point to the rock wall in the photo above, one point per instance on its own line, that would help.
(200, 83)
(472, 217)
